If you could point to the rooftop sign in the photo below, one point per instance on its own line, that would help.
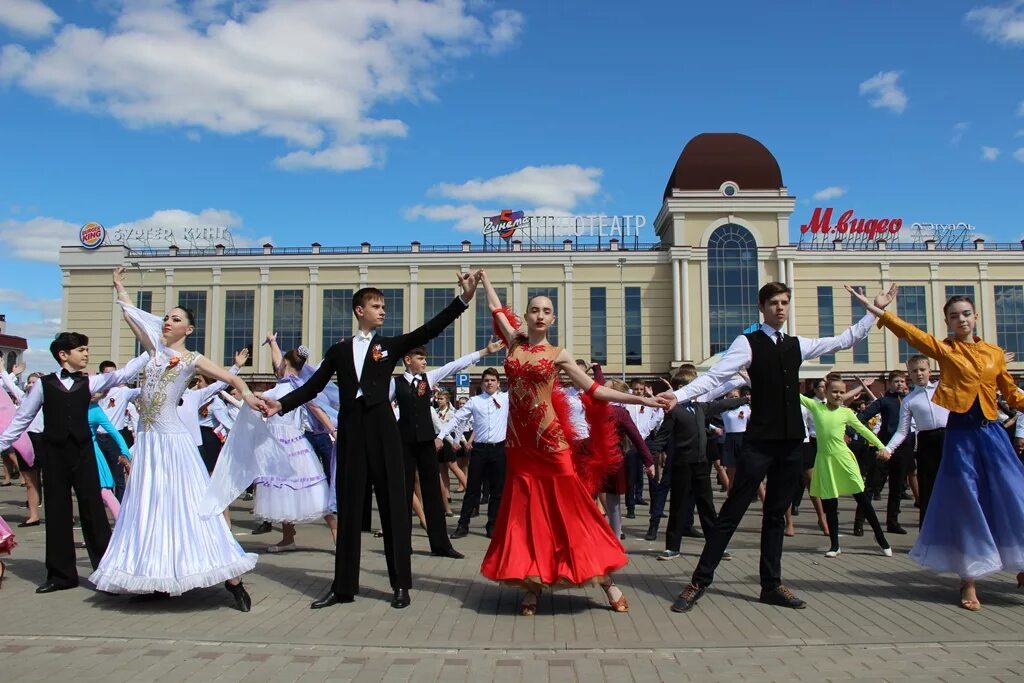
(854, 231)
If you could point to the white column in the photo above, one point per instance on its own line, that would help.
(313, 320)
(517, 302)
(364, 272)
(705, 309)
(414, 298)
(791, 281)
(262, 361)
(677, 336)
(892, 349)
(684, 276)
(935, 319)
(215, 318)
(168, 290)
(565, 319)
(988, 304)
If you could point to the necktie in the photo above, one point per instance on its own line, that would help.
(778, 337)
(496, 404)
(64, 374)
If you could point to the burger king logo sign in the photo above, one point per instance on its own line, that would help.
(91, 235)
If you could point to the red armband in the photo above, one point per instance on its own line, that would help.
(592, 390)
(512, 319)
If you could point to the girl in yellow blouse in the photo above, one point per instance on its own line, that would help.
(977, 527)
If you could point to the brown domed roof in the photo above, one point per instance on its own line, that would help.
(711, 159)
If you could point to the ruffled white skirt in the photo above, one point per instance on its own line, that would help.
(160, 543)
(303, 496)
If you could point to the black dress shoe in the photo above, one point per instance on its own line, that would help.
(688, 598)
(691, 532)
(460, 532)
(652, 532)
(263, 528)
(401, 599)
(858, 529)
(642, 501)
(450, 552)
(50, 587)
(782, 597)
(243, 603)
(895, 529)
(487, 531)
(630, 513)
(25, 524)
(330, 600)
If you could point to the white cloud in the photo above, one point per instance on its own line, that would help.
(1019, 155)
(884, 91)
(999, 23)
(559, 187)
(1019, 133)
(37, 320)
(958, 131)
(989, 153)
(538, 190)
(40, 238)
(38, 359)
(831, 192)
(31, 17)
(310, 73)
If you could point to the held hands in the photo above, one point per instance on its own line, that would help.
(493, 346)
(264, 406)
(124, 462)
(468, 282)
(884, 454)
(241, 357)
(650, 471)
(666, 400)
(20, 368)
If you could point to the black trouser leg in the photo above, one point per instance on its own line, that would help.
(353, 501)
(495, 477)
(701, 495)
(660, 492)
(679, 501)
(831, 507)
(474, 482)
(422, 458)
(60, 539)
(898, 468)
(630, 463)
(929, 455)
(866, 510)
(394, 519)
(785, 473)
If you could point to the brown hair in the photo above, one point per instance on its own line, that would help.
(918, 358)
(770, 290)
(365, 296)
(617, 385)
(418, 351)
(295, 359)
(959, 298)
(490, 372)
(895, 374)
(683, 375)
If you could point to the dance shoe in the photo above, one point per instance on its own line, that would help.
(688, 598)
(450, 552)
(782, 597)
(652, 532)
(460, 532)
(895, 529)
(833, 552)
(887, 552)
(243, 603)
(51, 587)
(27, 524)
(401, 599)
(331, 599)
(283, 548)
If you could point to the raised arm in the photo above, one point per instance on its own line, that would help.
(122, 296)
(276, 357)
(505, 327)
(436, 325)
(211, 369)
(11, 385)
(123, 375)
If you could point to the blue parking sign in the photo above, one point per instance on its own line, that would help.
(462, 380)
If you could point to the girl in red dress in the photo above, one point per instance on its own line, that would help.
(549, 532)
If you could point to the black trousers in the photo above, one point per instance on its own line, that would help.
(660, 490)
(691, 483)
(486, 463)
(112, 453)
(900, 465)
(929, 455)
(864, 510)
(370, 451)
(211, 448)
(422, 457)
(72, 466)
(782, 463)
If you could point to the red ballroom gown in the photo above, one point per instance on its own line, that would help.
(549, 531)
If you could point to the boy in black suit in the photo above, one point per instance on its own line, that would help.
(369, 443)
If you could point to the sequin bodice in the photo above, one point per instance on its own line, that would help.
(162, 382)
(531, 374)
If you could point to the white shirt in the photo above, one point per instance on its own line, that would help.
(360, 347)
(1019, 432)
(926, 415)
(738, 356)
(194, 399)
(115, 405)
(735, 421)
(489, 414)
(647, 420)
(12, 386)
(439, 374)
(33, 402)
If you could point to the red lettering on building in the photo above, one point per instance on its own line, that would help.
(866, 228)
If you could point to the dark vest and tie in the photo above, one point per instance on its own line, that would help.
(775, 376)
(66, 411)
(414, 421)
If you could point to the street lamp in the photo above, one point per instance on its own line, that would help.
(622, 298)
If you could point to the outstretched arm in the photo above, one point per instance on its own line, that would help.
(436, 325)
(276, 357)
(566, 364)
(23, 416)
(211, 369)
(494, 303)
(308, 391)
(459, 364)
(122, 295)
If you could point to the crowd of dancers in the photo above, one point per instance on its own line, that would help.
(558, 458)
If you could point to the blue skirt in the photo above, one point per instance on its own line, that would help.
(975, 520)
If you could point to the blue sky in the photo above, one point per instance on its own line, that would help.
(319, 121)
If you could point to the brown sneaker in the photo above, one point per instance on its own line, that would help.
(782, 597)
(688, 598)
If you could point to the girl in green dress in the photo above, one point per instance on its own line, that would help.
(836, 472)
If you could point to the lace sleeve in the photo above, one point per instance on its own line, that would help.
(513, 320)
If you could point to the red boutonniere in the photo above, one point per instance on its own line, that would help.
(173, 361)
(741, 415)
(421, 390)
(377, 353)
(110, 404)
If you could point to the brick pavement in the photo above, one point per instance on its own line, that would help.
(869, 617)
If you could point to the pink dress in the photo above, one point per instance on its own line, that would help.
(6, 538)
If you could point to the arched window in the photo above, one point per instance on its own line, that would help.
(732, 278)
(12, 360)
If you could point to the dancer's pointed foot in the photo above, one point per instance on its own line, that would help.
(969, 597)
(616, 600)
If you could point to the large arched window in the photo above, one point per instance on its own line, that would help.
(732, 278)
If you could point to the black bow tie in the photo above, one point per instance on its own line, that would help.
(64, 374)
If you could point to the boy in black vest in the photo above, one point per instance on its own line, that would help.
(369, 445)
(413, 391)
(70, 461)
(773, 443)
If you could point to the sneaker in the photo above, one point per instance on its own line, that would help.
(782, 597)
(668, 554)
(833, 552)
(688, 598)
(726, 555)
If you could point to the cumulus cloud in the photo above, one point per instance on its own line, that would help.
(1019, 155)
(989, 153)
(830, 192)
(884, 91)
(311, 74)
(999, 23)
(538, 190)
(30, 17)
(40, 238)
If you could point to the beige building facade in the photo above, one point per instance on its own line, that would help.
(638, 305)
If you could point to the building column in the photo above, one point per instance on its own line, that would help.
(684, 322)
(705, 310)
(264, 322)
(168, 289)
(791, 281)
(890, 341)
(988, 305)
(215, 318)
(565, 320)
(936, 318)
(313, 319)
(517, 299)
(364, 276)
(677, 335)
(414, 298)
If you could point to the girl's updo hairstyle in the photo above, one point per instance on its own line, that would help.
(295, 358)
(959, 298)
